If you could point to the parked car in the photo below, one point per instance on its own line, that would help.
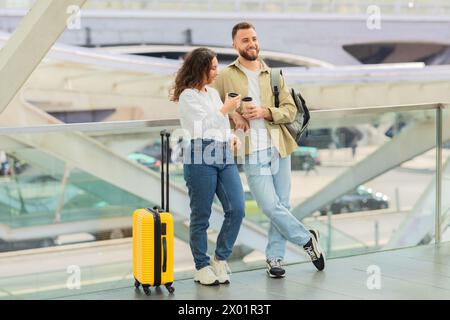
(319, 138)
(395, 129)
(303, 162)
(146, 160)
(153, 150)
(305, 158)
(342, 137)
(310, 151)
(361, 199)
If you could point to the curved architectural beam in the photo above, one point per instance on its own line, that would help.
(31, 41)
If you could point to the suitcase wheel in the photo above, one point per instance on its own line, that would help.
(147, 290)
(170, 288)
(136, 283)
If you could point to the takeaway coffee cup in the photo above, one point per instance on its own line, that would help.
(246, 102)
(233, 95)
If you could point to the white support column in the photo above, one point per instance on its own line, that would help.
(29, 44)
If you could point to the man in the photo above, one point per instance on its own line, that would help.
(267, 148)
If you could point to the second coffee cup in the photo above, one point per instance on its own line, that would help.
(246, 102)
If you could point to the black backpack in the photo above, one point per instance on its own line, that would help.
(299, 127)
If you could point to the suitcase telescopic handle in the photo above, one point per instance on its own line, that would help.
(167, 170)
(162, 133)
(165, 158)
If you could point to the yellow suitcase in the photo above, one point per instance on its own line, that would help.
(153, 237)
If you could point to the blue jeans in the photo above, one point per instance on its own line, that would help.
(269, 179)
(216, 173)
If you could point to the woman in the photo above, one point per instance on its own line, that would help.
(209, 167)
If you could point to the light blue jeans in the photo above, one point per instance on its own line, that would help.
(269, 179)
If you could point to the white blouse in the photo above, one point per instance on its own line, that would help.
(201, 116)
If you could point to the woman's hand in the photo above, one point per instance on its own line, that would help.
(240, 122)
(235, 144)
(230, 104)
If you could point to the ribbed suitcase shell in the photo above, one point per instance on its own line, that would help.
(144, 247)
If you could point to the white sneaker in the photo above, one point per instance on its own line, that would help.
(206, 276)
(222, 270)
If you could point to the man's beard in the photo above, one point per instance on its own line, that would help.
(248, 57)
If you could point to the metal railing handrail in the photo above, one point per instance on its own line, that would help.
(93, 126)
(379, 110)
(155, 125)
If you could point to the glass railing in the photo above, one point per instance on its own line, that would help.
(359, 152)
(445, 176)
(72, 205)
(367, 178)
(427, 7)
(363, 177)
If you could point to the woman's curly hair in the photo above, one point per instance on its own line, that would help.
(194, 72)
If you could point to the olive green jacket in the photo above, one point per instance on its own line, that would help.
(233, 79)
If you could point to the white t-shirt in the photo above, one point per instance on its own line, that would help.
(259, 136)
(200, 115)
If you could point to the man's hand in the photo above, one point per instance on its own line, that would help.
(253, 113)
(240, 122)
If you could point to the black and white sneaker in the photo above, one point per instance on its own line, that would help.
(314, 251)
(275, 268)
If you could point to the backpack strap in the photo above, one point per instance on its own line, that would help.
(275, 75)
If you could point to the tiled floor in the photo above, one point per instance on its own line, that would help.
(413, 273)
